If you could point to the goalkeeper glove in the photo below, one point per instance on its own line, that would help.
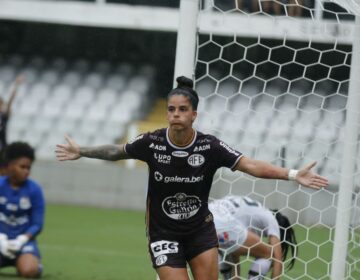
(15, 245)
(4, 247)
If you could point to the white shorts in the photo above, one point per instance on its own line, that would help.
(231, 236)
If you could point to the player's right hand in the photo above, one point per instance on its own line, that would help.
(69, 151)
(4, 247)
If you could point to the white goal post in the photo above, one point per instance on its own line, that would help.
(210, 21)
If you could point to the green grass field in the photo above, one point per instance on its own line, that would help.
(83, 243)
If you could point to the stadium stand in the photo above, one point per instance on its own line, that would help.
(94, 102)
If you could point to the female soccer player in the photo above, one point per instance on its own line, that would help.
(182, 163)
(21, 212)
(237, 219)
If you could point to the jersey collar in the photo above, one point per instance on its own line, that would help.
(178, 147)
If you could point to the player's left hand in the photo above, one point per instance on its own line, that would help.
(15, 245)
(310, 179)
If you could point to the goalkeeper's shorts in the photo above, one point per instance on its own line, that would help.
(30, 247)
(175, 250)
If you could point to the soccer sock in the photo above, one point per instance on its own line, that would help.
(259, 268)
(225, 270)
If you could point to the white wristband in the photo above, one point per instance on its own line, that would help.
(292, 174)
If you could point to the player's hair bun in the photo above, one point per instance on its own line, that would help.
(184, 82)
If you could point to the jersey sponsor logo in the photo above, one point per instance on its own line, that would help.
(160, 260)
(24, 203)
(136, 139)
(177, 179)
(202, 148)
(230, 150)
(157, 147)
(205, 140)
(3, 200)
(11, 207)
(161, 158)
(180, 154)
(164, 247)
(157, 138)
(196, 160)
(13, 221)
(181, 206)
(158, 176)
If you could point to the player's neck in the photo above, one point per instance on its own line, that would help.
(15, 184)
(182, 138)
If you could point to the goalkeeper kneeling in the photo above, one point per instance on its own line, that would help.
(21, 212)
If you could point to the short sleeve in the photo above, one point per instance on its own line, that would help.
(138, 148)
(225, 156)
(273, 226)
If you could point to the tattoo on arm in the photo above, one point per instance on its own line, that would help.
(106, 152)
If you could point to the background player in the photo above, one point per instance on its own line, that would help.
(237, 219)
(5, 111)
(22, 212)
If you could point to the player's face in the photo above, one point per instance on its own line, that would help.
(180, 113)
(19, 169)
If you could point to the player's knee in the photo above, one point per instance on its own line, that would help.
(29, 272)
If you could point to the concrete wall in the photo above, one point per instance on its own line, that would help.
(99, 184)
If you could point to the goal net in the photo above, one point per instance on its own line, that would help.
(274, 79)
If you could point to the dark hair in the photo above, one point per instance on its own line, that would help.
(18, 150)
(287, 238)
(185, 87)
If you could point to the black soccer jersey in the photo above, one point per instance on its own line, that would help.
(180, 178)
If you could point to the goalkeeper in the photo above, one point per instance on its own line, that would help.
(241, 223)
(21, 212)
(182, 163)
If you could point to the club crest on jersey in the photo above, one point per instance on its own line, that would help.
(157, 147)
(181, 206)
(161, 158)
(24, 203)
(223, 237)
(180, 154)
(202, 148)
(196, 160)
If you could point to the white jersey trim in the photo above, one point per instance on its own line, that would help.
(178, 147)
(236, 162)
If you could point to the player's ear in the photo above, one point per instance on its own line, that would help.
(194, 115)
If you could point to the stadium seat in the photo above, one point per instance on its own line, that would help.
(72, 79)
(115, 82)
(7, 73)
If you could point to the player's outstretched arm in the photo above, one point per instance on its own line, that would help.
(262, 169)
(19, 80)
(310, 179)
(72, 151)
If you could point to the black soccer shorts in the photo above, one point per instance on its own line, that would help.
(176, 250)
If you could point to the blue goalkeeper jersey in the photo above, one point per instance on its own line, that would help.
(22, 209)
